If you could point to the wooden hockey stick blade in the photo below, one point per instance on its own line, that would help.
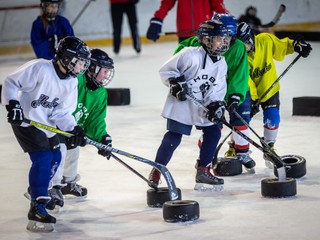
(276, 18)
(163, 169)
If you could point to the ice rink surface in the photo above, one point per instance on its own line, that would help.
(116, 207)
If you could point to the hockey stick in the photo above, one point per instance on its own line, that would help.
(163, 169)
(276, 81)
(151, 184)
(276, 18)
(81, 12)
(181, 32)
(270, 153)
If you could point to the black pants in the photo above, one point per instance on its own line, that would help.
(117, 12)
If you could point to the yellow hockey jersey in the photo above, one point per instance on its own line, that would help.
(262, 66)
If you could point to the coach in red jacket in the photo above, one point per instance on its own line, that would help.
(190, 13)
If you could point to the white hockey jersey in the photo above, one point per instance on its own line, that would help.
(43, 96)
(205, 79)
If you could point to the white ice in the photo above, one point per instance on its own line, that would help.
(116, 207)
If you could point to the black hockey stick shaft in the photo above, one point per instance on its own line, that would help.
(151, 184)
(276, 18)
(277, 162)
(81, 12)
(278, 79)
(215, 158)
(163, 169)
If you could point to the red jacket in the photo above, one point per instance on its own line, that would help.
(190, 13)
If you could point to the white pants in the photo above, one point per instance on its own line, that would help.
(68, 168)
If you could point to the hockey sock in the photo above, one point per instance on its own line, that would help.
(168, 145)
(211, 137)
(240, 144)
(40, 172)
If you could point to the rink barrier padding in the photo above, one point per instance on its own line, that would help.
(118, 96)
(306, 106)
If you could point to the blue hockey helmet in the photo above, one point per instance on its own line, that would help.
(229, 21)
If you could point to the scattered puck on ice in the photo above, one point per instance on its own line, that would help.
(181, 211)
(306, 106)
(228, 167)
(295, 166)
(118, 96)
(156, 198)
(273, 188)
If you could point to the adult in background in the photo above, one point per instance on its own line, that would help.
(48, 29)
(118, 9)
(190, 14)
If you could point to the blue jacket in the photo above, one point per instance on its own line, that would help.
(40, 37)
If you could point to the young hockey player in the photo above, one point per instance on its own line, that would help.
(90, 114)
(263, 49)
(45, 91)
(237, 82)
(201, 72)
(48, 29)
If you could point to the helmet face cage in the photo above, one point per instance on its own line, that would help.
(229, 21)
(73, 54)
(101, 70)
(44, 6)
(213, 32)
(245, 34)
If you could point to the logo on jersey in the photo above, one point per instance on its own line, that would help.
(257, 72)
(43, 101)
(203, 84)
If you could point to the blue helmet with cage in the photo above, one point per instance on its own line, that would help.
(210, 32)
(229, 21)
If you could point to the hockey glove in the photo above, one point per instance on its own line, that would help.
(15, 113)
(178, 88)
(233, 102)
(154, 29)
(106, 140)
(215, 112)
(79, 138)
(301, 47)
(254, 108)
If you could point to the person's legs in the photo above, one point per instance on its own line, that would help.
(133, 24)
(117, 17)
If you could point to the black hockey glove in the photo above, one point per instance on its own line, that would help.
(301, 47)
(79, 138)
(154, 29)
(178, 88)
(215, 112)
(233, 103)
(106, 140)
(254, 108)
(15, 113)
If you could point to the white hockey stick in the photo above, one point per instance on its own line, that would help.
(163, 169)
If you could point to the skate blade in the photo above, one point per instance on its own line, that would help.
(27, 195)
(202, 187)
(250, 170)
(268, 164)
(34, 226)
(70, 197)
(55, 210)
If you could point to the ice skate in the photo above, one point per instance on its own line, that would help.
(231, 152)
(72, 190)
(247, 161)
(267, 162)
(39, 219)
(57, 200)
(206, 181)
(154, 177)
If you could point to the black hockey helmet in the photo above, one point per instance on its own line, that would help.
(101, 69)
(48, 14)
(70, 50)
(213, 30)
(246, 35)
